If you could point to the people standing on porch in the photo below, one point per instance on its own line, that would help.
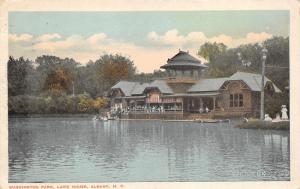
(206, 109)
(162, 109)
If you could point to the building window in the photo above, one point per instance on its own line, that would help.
(241, 102)
(236, 100)
(231, 100)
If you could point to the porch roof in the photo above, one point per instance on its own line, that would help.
(213, 84)
(131, 97)
(205, 94)
(161, 85)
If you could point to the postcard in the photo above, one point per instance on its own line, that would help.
(149, 94)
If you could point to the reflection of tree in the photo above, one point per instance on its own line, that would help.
(113, 142)
(277, 146)
(20, 142)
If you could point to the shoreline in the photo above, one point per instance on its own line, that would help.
(69, 115)
(265, 125)
(252, 124)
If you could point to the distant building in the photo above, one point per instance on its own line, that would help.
(186, 91)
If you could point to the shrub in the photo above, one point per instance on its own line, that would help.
(54, 103)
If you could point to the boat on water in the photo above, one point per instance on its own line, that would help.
(108, 118)
(212, 120)
(101, 118)
(104, 119)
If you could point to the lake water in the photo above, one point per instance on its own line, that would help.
(82, 150)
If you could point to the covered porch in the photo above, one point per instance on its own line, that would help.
(199, 102)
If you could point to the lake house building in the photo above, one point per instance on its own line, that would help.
(187, 94)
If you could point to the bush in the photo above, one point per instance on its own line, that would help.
(54, 103)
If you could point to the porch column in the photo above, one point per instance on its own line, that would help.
(201, 103)
(169, 73)
(123, 103)
(214, 104)
(112, 102)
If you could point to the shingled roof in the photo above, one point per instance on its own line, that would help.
(253, 80)
(130, 88)
(208, 85)
(139, 88)
(204, 85)
(125, 86)
(183, 59)
(161, 85)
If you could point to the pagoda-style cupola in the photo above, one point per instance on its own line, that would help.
(183, 65)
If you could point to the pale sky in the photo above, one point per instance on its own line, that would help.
(148, 38)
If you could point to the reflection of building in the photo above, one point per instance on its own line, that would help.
(185, 91)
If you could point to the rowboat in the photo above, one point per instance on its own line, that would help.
(212, 120)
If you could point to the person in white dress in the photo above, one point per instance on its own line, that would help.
(284, 115)
(277, 119)
(267, 117)
(206, 109)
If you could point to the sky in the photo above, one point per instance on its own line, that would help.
(148, 38)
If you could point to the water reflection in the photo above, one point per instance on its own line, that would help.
(82, 150)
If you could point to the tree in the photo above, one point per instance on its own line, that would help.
(112, 68)
(87, 80)
(278, 60)
(55, 73)
(18, 71)
(211, 50)
(58, 80)
(148, 77)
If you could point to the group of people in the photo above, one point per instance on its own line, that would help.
(206, 110)
(283, 117)
(144, 108)
(147, 109)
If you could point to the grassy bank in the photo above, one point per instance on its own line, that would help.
(258, 124)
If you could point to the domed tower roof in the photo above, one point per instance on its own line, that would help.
(183, 60)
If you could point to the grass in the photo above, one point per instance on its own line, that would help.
(259, 124)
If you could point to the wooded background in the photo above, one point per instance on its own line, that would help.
(51, 84)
